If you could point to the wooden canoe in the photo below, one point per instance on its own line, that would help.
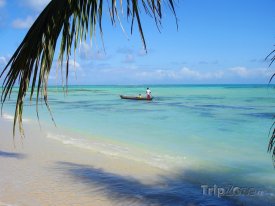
(135, 98)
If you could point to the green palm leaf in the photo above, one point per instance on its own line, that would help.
(271, 144)
(72, 19)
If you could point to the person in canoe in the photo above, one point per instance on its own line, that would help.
(148, 93)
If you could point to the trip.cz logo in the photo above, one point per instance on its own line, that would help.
(230, 190)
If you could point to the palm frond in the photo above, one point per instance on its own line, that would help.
(271, 144)
(72, 20)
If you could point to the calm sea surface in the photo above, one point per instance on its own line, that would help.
(213, 134)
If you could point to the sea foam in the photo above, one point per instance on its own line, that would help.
(9, 117)
(162, 161)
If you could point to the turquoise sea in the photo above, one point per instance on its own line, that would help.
(211, 136)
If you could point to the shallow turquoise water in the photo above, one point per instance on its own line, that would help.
(218, 131)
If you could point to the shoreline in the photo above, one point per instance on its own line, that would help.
(35, 169)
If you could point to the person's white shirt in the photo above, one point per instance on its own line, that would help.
(148, 92)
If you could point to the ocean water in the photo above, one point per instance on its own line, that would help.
(214, 135)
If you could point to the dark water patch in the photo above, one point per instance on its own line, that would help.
(84, 103)
(223, 129)
(134, 111)
(57, 102)
(167, 98)
(9, 102)
(200, 97)
(233, 121)
(184, 98)
(180, 105)
(115, 107)
(207, 114)
(90, 90)
(261, 99)
(86, 108)
(164, 117)
(51, 99)
(218, 106)
(262, 115)
(12, 155)
(59, 90)
(175, 104)
(251, 100)
(244, 86)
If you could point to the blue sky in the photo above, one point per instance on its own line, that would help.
(218, 41)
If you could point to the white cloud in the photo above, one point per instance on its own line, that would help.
(74, 64)
(3, 61)
(240, 71)
(23, 23)
(129, 58)
(2, 3)
(87, 53)
(85, 48)
(139, 74)
(182, 74)
(185, 74)
(246, 73)
(142, 52)
(190, 73)
(75, 70)
(37, 5)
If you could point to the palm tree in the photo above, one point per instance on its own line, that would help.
(72, 20)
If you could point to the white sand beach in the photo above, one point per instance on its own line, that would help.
(41, 171)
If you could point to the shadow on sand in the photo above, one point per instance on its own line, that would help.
(12, 155)
(169, 191)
